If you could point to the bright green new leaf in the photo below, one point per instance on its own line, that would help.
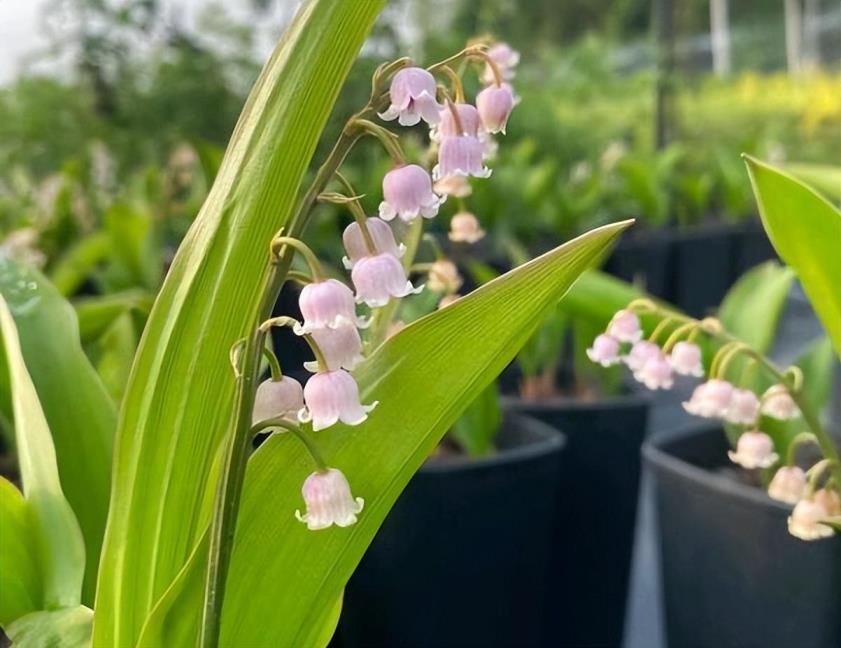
(79, 261)
(178, 403)
(751, 309)
(59, 545)
(68, 628)
(80, 414)
(20, 580)
(823, 177)
(805, 229)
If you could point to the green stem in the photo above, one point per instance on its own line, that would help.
(274, 363)
(298, 245)
(289, 426)
(388, 139)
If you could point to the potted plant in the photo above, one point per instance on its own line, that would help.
(750, 553)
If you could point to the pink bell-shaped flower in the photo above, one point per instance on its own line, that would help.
(829, 499)
(330, 397)
(457, 186)
(461, 155)
(412, 97)
(710, 399)
(788, 485)
(754, 449)
(341, 348)
(329, 501)
(777, 403)
(277, 399)
(685, 359)
(743, 409)
(444, 277)
(625, 326)
(326, 304)
(379, 278)
(641, 353)
(495, 104)
(381, 234)
(805, 521)
(605, 350)
(465, 228)
(468, 115)
(407, 191)
(506, 59)
(656, 373)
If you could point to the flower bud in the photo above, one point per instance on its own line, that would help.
(777, 403)
(465, 228)
(381, 234)
(754, 449)
(330, 397)
(379, 278)
(656, 373)
(461, 155)
(407, 191)
(788, 485)
(605, 350)
(495, 104)
(640, 353)
(444, 277)
(625, 326)
(468, 115)
(277, 399)
(453, 185)
(326, 304)
(341, 348)
(329, 501)
(505, 58)
(686, 359)
(710, 399)
(412, 97)
(743, 409)
(805, 520)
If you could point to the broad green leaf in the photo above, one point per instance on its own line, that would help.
(817, 363)
(751, 309)
(596, 296)
(178, 402)
(114, 354)
(806, 232)
(20, 580)
(285, 580)
(79, 262)
(59, 545)
(80, 414)
(96, 314)
(478, 426)
(68, 628)
(823, 177)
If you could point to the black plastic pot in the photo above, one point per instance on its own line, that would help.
(643, 260)
(732, 575)
(702, 268)
(461, 558)
(595, 517)
(752, 247)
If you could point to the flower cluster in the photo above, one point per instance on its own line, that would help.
(379, 267)
(718, 398)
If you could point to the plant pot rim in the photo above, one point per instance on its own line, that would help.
(656, 453)
(518, 404)
(553, 441)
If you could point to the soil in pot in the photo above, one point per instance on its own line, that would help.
(732, 575)
(461, 558)
(595, 516)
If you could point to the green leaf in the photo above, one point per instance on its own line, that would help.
(817, 363)
(79, 262)
(823, 177)
(80, 414)
(59, 545)
(20, 580)
(284, 580)
(478, 426)
(96, 314)
(68, 628)
(805, 229)
(178, 402)
(751, 309)
(596, 296)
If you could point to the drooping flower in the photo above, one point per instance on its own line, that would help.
(788, 485)
(461, 155)
(656, 373)
(341, 348)
(685, 359)
(743, 409)
(330, 397)
(625, 326)
(277, 399)
(465, 228)
(604, 351)
(444, 277)
(329, 501)
(830, 500)
(380, 277)
(412, 97)
(506, 59)
(453, 185)
(710, 399)
(805, 520)
(495, 104)
(754, 449)
(446, 300)
(381, 234)
(468, 115)
(640, 353)
(326, 304)
(777, 403)
(407, 192)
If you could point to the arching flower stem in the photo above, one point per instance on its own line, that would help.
(290, 426)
